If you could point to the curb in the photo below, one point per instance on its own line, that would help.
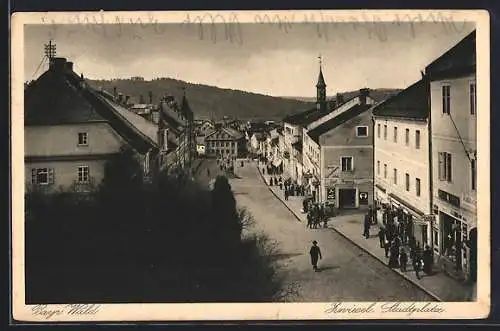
(394, 270)
(421, 287)
(277, 197)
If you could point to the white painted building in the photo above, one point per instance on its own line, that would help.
(454, 159)
(401, 158)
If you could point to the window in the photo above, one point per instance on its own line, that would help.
(83, 174)
(417, 139)
(385, 132)
(82, 139)
(395, 176)
(146, 163)
(361, 131)
(445, 93)
(42, 176)
(407, 183)
(444, 169)
(346, 162)
(473, 174)
(472, 98)
(417, 186)
(378, 167)
(407, 137)
(395, 134)
(378, 130)
(385, 170)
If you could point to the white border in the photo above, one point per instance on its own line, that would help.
(264, 311)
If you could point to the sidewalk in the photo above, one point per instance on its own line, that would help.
(438, 285)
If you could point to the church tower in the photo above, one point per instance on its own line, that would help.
(320, 90)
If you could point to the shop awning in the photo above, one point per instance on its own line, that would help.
(403, 203)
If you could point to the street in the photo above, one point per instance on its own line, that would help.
(346, 272)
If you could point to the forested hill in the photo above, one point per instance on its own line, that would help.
(209, 102)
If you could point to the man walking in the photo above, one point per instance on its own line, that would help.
(315, 253)
(366, 226)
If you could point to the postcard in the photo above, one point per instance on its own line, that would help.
(250, 165)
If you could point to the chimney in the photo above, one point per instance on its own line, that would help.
(127, 98)
(57, 64)
(363, 93)
(340, 99)
(114, 93)
(69, 66)
(120, 97)
(332, 104)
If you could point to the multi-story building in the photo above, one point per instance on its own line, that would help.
(340, 152)
(401, 158)
(225, 143)
(453, 105)
(71, 130)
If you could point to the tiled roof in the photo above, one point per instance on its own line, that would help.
(336, 121)
(409, 103)
(304, 117)
(59, 96)
(461, 58)
(52, 99)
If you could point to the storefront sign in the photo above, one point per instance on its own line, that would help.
(330, 193)
(363, 198)
(450, 198)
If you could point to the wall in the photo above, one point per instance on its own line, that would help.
(342, 141)
(63, 139)
(406, 159)
(446, 139)
(66, 172)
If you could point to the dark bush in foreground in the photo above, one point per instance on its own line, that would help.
(170, 241)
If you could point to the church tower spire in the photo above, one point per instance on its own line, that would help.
(320, 89)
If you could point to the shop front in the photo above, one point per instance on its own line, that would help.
(414, 220)
(454, 234)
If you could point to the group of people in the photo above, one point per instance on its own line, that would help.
(315, 214)
(396, 238)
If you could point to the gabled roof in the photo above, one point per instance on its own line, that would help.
(409, 103)
(336, 121)
(231, 132)
(304, 117)
(60, 96)
(460, 59)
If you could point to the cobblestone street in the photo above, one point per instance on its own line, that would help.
(347, 273)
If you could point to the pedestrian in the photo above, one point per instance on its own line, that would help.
(208, 172)
(394, 256)
(416, 261)
(309, 220)
(286, 194)
(381, 237)
(387, 246)
(403, 259)
(315, 253)
(428, 260)
(281, 185)
(366, 226)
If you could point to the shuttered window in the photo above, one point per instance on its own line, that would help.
(42, 176)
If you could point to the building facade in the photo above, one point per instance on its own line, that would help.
(401, 158)
(454, 152)
(225, 143)
(71, 130)
(345, 159)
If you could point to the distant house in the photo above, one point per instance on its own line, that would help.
(142, 109)
(226, 143)
(71, 130)
(255, 140)
(200, 145)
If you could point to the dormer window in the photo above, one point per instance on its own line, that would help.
(83, 139)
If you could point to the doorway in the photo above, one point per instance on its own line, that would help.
(347, 198)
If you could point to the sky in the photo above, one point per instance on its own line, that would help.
(260, 58)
